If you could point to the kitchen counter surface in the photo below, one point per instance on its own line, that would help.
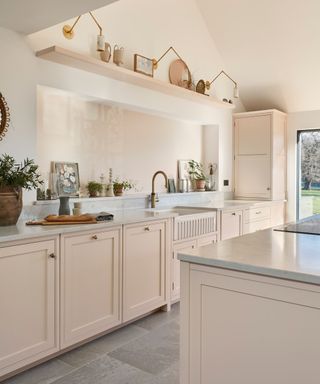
(21, 231)
(270, 253)
(121, 217)
(234, 204)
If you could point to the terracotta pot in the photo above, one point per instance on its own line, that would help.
(118, 191)
(10, 205)
(200, 184)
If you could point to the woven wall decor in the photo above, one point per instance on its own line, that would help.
(4, 117)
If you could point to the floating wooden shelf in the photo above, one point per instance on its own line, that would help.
(93, 65)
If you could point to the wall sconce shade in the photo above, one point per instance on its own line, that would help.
(68, 32)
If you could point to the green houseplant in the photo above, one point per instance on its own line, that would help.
(119, 186)
(94, 188)
(13, 178)
(197, 174)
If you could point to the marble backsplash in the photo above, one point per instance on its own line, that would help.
(40, 209)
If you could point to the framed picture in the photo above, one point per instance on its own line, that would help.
(183, 169)
(183, 174)
(143, 65)
(68, 182)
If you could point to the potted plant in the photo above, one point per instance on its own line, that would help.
(196, 173)
(94, 188)
(13, 178)
(119, 186)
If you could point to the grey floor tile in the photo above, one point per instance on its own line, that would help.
(80, 356)
(154, 352)
(170, 375)
(107, 371)
(105, 344)
(145, 352)
(159, 318)
(117, 339)
(45, 373)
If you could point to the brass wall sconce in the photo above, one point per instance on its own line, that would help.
(68, 32)
(179, 73)
(202, 85)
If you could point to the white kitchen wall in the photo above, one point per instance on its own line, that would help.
(18, 86)
(99, 136)
(140, 26)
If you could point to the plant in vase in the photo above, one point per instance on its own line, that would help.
(196, 173)
(94, 188)
(119, 186)
(13, 178)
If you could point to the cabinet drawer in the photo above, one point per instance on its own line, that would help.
(256, 226)
(254, 214)
(207, 240)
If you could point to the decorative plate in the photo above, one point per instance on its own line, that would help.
(4, 117)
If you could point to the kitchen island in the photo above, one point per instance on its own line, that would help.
(250, 310)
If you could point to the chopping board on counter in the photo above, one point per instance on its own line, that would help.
(64, 220)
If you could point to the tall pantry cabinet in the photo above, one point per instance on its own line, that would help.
(260, 155)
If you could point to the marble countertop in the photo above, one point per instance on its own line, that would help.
(277, 254)
(21, 231)
(121, 217)
(234, 204)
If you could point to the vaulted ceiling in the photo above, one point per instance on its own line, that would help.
(271, 47)
(28, 16)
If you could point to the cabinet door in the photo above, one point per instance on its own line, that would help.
(231, 224)
(28, 302)
(253, 135)
(144, 266)
(175, 266)
(90, 285)
(253, 176)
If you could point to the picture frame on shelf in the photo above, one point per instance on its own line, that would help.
(183, 173)
(67, 178)
(143, 65)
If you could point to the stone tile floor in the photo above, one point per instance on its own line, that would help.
(144, 352)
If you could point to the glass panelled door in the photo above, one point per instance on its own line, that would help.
(308, 173)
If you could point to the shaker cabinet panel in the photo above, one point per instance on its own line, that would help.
(231, 224)
(252, 176)
(175, 266)
(28, 302)
(144, 268)
(253, 135)
(90, 285)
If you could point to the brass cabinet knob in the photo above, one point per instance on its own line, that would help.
(233, 213)
(94, 237)
(147, 229)
(52, 255)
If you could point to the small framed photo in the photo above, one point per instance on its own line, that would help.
(183, 169)
(143, 65)
(68, 182)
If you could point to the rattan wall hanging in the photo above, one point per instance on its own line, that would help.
(4, 117)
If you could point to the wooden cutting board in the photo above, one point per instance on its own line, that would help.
(44, 222)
